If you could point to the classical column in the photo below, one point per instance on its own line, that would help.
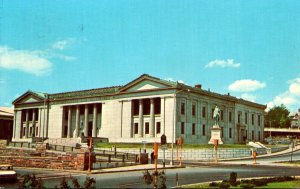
(33, 123)
(152, 118)
(40, 122)
(94, 131)
(140, 132)
(76, 131)
(69, 122)
(14, 127)
(27, 124)
(86, 119)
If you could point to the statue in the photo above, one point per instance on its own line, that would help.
(216, 129)
(216, 115)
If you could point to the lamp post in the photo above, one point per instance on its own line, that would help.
(174, 126)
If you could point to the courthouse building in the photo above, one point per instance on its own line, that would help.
(141, 110)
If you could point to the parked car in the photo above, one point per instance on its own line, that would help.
(7, 174)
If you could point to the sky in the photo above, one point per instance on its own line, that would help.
(250, 49)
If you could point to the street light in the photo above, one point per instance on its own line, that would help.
(174, 125)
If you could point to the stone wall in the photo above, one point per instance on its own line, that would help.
(205, 154)
(41, 159)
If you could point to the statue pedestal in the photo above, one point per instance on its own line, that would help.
(215, 134)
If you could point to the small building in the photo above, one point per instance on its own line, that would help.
(141, 110)
(295, 120)
(6, 123)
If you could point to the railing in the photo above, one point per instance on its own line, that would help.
(21, 144)
(114, 156)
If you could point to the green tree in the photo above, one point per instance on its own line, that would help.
(278, 116)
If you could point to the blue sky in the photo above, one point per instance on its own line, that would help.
(248, 48)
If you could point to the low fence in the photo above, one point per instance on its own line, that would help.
(204, 154)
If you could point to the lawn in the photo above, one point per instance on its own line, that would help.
(286, 184)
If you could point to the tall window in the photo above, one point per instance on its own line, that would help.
(230, 133)
(222, 132)
(222, 115)
(239, 118)
(246, 118)
(182, 108)
(136, 128)
(182, 127)
(157, 127)
(147, 128)
(193, 110)
(252, 135)
(212, 113)
(230, 116)
(203, 111)
(203, 130)
(259, 135)
(193, 129)
(252, 119)
(258, 120)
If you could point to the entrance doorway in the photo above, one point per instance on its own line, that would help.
(90, 129)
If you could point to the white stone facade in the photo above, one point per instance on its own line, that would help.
(141, 110)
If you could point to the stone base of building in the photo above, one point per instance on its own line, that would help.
(215, 134)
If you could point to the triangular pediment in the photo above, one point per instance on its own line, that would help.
(29, 97)
(146, 82)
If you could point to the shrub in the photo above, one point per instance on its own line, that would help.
(224, 184)
(247, 185)
(30, 181)
(259, 182)
(232, 179)
(213, 184)
(90, 183)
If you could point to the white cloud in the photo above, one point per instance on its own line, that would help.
(295, 87)
(61, 45)
(32, 62)
(289, 98)
(223, 64)
(249, 97)
(246, 85)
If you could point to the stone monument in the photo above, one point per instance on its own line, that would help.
(215, 129)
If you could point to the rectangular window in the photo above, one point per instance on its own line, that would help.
(239, 118)
(157, 127)
(230, 116)
(182, 108)
(252, 119)
(258, 120)
(230, 133)
(147, 128)
(203, 112)
(246, 118)
(252, 135)
(259, 135)
(222, 115)
(203, 130)
(222, 132)
(193, 129)
(212, 113)
(182, 127)
(193, 110)
(136, 128)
